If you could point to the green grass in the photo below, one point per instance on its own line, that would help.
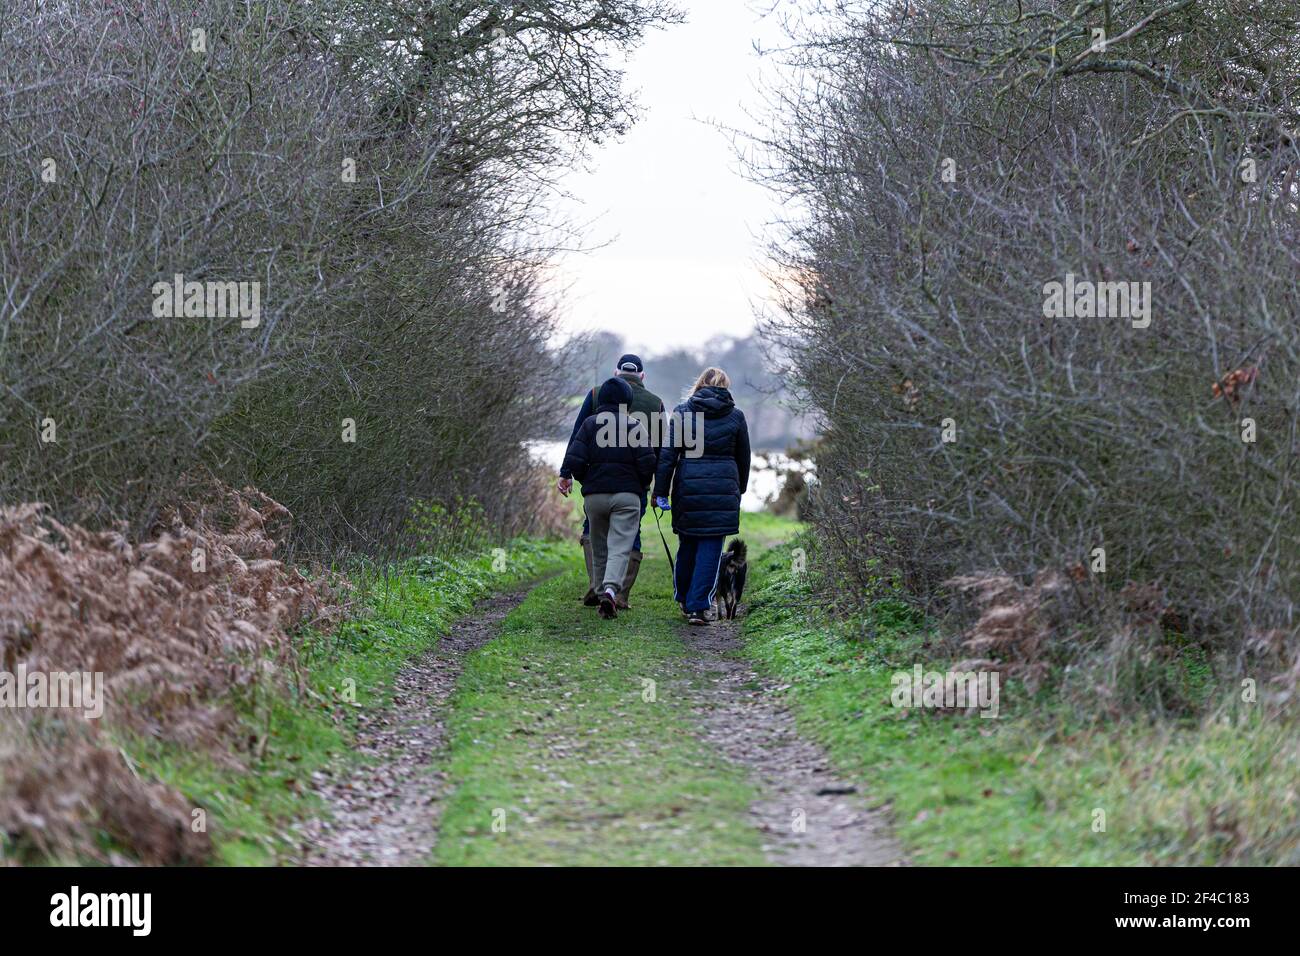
(1024, 788)
(250, 801)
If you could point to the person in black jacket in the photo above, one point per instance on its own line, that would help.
(648, 408)
(611, 457)
(704, 467)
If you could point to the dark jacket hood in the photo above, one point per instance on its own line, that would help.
(614, 392)
(713, 401)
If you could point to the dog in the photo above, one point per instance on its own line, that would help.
(731, 580)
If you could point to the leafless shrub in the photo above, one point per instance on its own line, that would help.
(379, 169)
(950, 169)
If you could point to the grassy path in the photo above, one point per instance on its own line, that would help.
(574, 742)
(535, 733)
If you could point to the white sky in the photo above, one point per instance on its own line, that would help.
(686, 228)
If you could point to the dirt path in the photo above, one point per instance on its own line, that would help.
(386, 812)
(741, 716)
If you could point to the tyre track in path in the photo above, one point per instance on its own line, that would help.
(808, 816)
(385, 810)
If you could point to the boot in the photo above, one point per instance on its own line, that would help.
(629, 579)
(589, 599)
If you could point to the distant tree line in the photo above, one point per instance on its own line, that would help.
(775, 422)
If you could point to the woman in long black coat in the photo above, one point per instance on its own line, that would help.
(703, 471)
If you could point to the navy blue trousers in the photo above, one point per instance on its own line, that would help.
(695, 578)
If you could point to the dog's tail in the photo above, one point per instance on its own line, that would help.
(738, 549)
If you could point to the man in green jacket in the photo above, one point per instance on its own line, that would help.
(649, 408)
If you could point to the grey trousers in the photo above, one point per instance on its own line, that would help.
(615, 520)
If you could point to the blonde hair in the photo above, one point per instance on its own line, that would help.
(711, 376)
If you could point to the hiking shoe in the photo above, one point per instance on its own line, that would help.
(697, 619)
(608, 604)
(589, 599)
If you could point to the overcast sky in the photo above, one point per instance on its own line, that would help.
(684, 228)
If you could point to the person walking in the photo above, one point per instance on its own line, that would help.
(700, 482)
(612, 459)
(648, 409)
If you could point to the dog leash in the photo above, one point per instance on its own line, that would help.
(672, 562)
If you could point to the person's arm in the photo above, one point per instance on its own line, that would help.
(577, 457)
(667, 461)
(743, 454)
(588, 406)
